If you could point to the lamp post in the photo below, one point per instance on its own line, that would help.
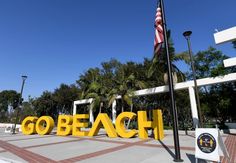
(19, 102)
(187, 34)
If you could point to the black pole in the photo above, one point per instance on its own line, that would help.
(171, 90)
(19, 103)
(187, 36)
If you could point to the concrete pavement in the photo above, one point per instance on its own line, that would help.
(100, 149)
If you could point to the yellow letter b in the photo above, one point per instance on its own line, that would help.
(64, 126)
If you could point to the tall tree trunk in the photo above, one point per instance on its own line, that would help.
(63, 109)
(122, 105)
(122, 109)
(131, 109)
(100, 108)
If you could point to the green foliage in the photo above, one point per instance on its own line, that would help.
(167, 127)
(46, 105)
(216, 100)
(133, 125)
(27, 109)
(58, 102)
(209, 63)
(125, 85)
(64, 96)
(8, 101)
(159, 66)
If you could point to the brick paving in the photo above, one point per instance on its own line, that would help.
(35, 148)
(24, 154)
(230, 144)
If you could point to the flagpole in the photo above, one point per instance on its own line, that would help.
(171, 90)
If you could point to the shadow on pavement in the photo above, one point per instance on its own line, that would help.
(167, 149)
(191, 157)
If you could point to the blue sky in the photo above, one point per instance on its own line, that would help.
(54, 41)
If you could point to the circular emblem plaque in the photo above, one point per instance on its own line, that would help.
(206, 143)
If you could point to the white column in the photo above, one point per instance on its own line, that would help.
(193, 106)
(91, 118)
(74, 109)
(114, 112)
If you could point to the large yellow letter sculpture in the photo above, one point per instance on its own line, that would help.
(44, 125)
(78, 124)
(156, 124)
(64, 126)
(28, 125)
(68, 125)
(120, 125)
(103, 120)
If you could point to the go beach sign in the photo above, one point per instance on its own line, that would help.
(74, 125)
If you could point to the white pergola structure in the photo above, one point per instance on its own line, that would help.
(162, 89)
(224, 36)
(82, 102)
(220, 37)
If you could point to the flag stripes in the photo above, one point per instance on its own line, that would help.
(159, 37)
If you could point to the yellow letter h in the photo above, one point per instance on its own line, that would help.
(156, 124)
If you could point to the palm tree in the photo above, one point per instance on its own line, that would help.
(98, 92)
(125, 85)
(91, 88)
(159, 62)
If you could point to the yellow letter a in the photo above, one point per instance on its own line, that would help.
(103, 119)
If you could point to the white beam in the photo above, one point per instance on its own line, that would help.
(177, 86)
(193, 107)
(230, 62)
(84, 101)
(185, 85)
(225, 35)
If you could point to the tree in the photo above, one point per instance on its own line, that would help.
(157, 73)
(46, 105)
(216, 99)
(8, 101)
(209, 63)
(27, 109)
(98, 92)
(125, 85)
(64, 96)
(159, 62)
(96, 82)
(92, 87)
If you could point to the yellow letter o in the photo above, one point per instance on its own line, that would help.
(44, 125)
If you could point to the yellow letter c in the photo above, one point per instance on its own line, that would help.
(120, 126)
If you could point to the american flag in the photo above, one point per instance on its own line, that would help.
(159, 38)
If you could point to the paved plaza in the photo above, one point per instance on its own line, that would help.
(100, 149)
